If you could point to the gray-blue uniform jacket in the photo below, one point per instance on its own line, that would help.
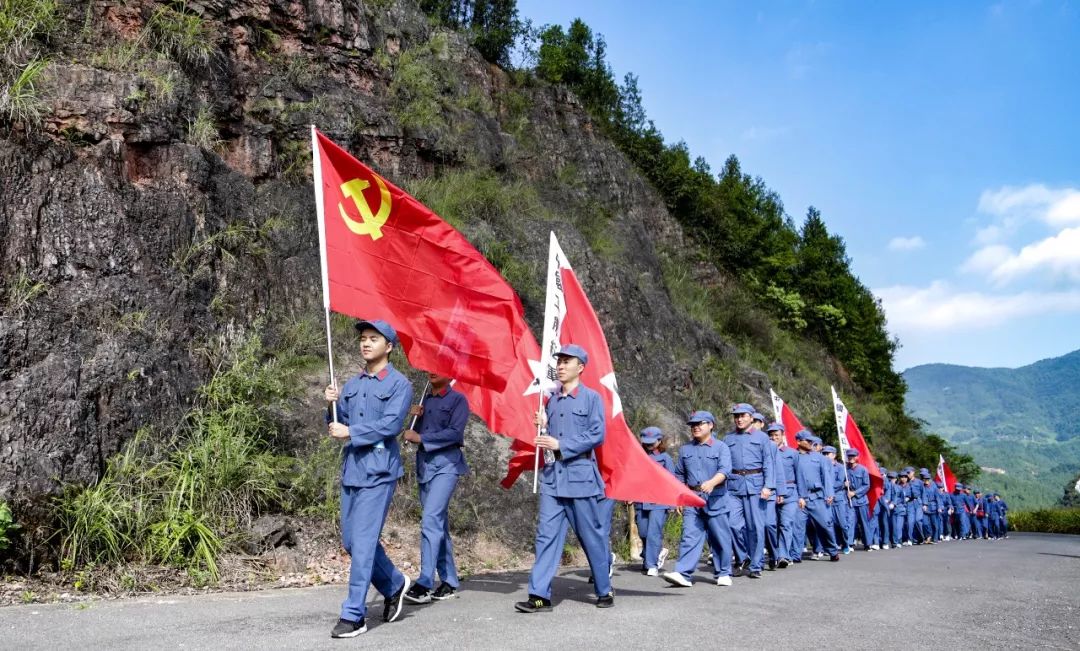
(664, 460)
(751, 450)
(930, 498)
(916, 488)
(698, 463)
(839, 477)
(374, 408)
(859, 480)
(814, 476)
(442, 435)
(577, 420)
(786, 485)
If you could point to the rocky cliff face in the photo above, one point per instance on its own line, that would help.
(163, 206)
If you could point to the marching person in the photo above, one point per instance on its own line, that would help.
(572, 426)
(902, 497)
(814, 480)
(930, 509)
(704, 465)
(787, 499)
(652, 517)
(371, 410)
(841, 502)
(439, 437)
(960, 509)
(858, 488)
(752, 483)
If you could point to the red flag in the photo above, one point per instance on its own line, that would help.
(948, 480)
(628, 472)
(851, 437)
(386, 255)
(787, 418)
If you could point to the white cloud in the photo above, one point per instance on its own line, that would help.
(906, 243)
(986, 259)
(939, 308)
(1057, 207)
(1059, 255)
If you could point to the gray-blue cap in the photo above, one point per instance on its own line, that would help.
(891, 474)
(573, 350)
(851, 452)
(380, 326)
(803, 435)
(816, 440)
(651, 435)
(775, 427)
(959, 486)
(828, 449)
(700, 416)
(757, 415)
(742, 408)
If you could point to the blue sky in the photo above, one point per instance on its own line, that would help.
(941, 140)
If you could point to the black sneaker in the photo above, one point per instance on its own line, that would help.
(772, 564)
(783, 563)
(607, 601)
(754, 574)
(534, 605)
(394, 603)
(835, 558)
(349, 628)
(444, 591)
(418, 594)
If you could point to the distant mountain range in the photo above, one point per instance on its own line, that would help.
(1022, 425)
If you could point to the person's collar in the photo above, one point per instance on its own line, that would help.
(381, 375)
(708, 441)
(572, 394)
(440, 392)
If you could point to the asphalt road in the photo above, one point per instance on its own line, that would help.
(1022, 592)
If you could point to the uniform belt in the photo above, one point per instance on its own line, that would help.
(751, 471)
(791, 483)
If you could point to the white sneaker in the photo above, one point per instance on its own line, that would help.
(611, 567)
(674, 578)
(907, 544)
(652, 571)
(874, 547)
(723, 580)
(662, 558)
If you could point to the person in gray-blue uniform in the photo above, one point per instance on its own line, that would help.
(652, 517)
(858, 490)
(704, 465)
(1003, 515)
(991, 517)
(969, 507)
(814, 481)
(930, 508)
(979, 514)
(439, 438)
(944, 504)
(960, 512)
(900, 513)
(841, 502)
(370, 409)
(752, 483)
(913, 532)
(572, 426)
(787, 498)
(882, 515)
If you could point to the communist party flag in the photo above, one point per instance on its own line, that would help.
(387, 256)
(944, 473)
(851, 437)
(628, 472)
(786, 417)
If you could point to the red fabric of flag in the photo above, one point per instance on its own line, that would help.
(945, 474)
(390, 257)
(628, 472)
(856, 441)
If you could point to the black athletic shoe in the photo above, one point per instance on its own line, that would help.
(772, 564)
(834, 558)
(395, 602)
(607, 601)
(534, 605)
(754, 574)
(418, 594)
(348, 628)
(783, 563)
(444, 591)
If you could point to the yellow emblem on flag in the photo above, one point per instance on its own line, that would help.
(370, 223)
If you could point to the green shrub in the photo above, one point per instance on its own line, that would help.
(184, 37)
(202, 130)
(463, 196)
(181, 500)
(8, 528)
(22, 21)
(1046, 521)
(19, 100)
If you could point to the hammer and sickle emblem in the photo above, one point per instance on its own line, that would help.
(370, 223)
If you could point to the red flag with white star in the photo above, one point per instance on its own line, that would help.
(628, 472)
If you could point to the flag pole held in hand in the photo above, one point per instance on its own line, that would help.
(316, 173)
